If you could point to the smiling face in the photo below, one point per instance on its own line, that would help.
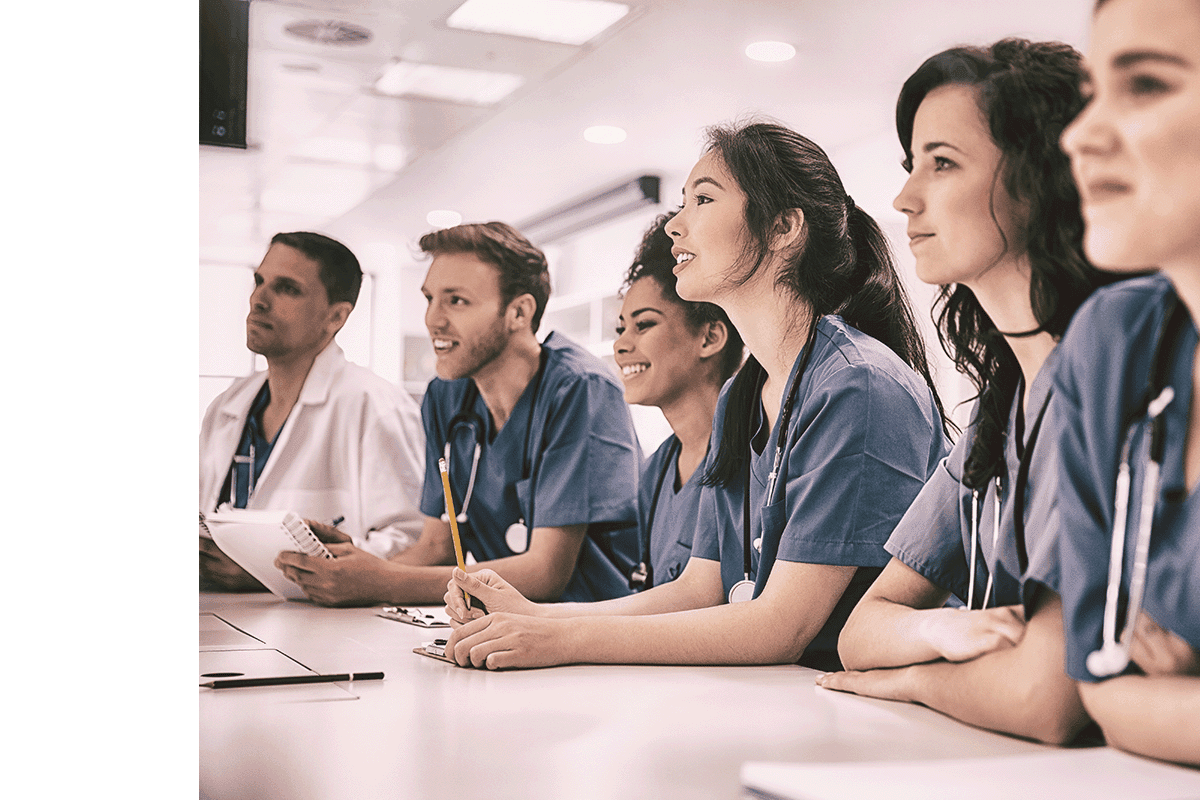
(962, 224)
(709, 231)
(657, 351)
(290, 313)
(464, 317)
(1135, 149)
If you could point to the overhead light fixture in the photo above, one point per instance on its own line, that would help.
(354, 152)
(604, 134)
(443, 218)
(390, 157)
(771, 51)
(456, 84)
(562, 21)
(593, 210)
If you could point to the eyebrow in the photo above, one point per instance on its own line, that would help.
(1135, 57)
(929, 147)
(283, 280)
(702, 180)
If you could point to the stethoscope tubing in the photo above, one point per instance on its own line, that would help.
(777, 472)
(1113, 656)
(467, 416)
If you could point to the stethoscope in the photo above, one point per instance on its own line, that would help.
(978, 499)
(743, 590)
(1113, 655)
(248, 461)
(517, 535)
(642, 576)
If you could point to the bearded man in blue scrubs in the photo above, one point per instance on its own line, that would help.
(542, 454)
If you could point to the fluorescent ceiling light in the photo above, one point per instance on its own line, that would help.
(459, 85)
(339, 151)
(593, 210)
(604, 134)
(771, 51)
(390, 157)
(355, 153)
(564, 21)
(443, 218)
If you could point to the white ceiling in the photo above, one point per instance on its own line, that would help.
(663, 73)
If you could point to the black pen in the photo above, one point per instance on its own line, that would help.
(293, 679)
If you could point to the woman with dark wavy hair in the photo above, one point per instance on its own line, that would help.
(994, 220)
(819, 443)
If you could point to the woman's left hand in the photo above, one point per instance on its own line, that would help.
(886, 684)
(511, 641)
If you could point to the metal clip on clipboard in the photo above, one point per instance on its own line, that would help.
(412, 616)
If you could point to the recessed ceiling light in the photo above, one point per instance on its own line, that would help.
(564, 21)
(443, 218)
(604, 134)
(771, 51)
(459, 85)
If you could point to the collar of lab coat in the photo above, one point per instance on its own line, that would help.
(316, 384)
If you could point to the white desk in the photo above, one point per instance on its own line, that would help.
(431, 730)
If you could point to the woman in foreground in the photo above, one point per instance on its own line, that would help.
(1129, 477)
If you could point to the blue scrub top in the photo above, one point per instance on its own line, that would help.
(934, 537)
(675, 514)
(1102, 384)
(252, 433)
(865, 434)
(582, 455)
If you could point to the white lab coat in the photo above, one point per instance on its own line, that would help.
(353, 447)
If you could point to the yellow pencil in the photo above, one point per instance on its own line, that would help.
(458, 551)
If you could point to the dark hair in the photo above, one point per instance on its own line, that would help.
(844, 266)
(654, 260)
(1028, 92)
(523, 268)
(337, 267)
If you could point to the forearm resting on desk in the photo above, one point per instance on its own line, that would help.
(774, 628)
(698, 587)
(902, 620)
(1020, 690)
(1156, 716)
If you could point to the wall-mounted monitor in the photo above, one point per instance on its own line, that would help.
(224, 41)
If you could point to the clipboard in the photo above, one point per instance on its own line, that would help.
(413, 616)
(435, 650)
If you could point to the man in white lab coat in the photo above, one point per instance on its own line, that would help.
(314, 434)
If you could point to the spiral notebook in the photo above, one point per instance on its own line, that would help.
(254, 538)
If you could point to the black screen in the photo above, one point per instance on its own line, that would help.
(224, 38)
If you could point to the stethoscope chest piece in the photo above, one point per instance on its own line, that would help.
(742, 591)
(517, 537)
